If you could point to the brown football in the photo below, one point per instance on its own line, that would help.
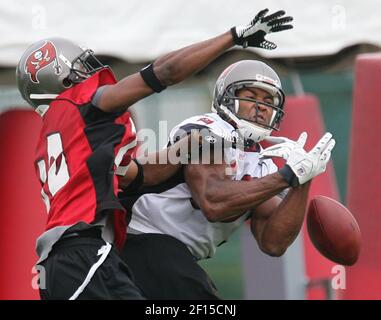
(333, 230)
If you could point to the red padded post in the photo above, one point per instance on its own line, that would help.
(364, 177)
(22, 213)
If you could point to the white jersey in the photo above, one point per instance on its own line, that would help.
(168, 210)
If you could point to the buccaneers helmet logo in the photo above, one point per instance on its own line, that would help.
(206, 120)
(40, 59)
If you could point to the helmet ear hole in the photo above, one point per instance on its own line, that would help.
(67, 83)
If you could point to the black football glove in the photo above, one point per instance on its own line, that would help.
(253, 34)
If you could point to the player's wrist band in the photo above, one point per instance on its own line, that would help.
(150, 78)
(138, 181)
(236, 39)
(289, 175)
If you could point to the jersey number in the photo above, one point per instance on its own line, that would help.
(55, 174)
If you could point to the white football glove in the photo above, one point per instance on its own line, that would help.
(283, 146)
(304, 165)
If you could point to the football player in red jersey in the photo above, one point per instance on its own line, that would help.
(86, 134)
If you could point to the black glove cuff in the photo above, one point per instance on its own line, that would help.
(136, 184)
(236, 39)
(289, 175)
(150, 78)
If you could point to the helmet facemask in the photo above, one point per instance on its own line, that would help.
(85, 65)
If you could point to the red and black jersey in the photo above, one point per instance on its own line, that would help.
(79, 149)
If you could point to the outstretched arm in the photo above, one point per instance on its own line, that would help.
(180, 64)
(169, 70)
(276, 223)
(159, 166)
(221, 198)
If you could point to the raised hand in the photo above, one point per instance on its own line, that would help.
(253, 34)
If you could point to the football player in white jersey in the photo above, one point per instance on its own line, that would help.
(186, 218)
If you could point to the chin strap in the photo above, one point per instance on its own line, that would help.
(74, 78)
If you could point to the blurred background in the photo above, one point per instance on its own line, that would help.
(330, 67)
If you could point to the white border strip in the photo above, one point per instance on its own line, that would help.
(43, 96)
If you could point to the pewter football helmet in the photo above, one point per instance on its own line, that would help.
(248, 73)
(50, 66)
